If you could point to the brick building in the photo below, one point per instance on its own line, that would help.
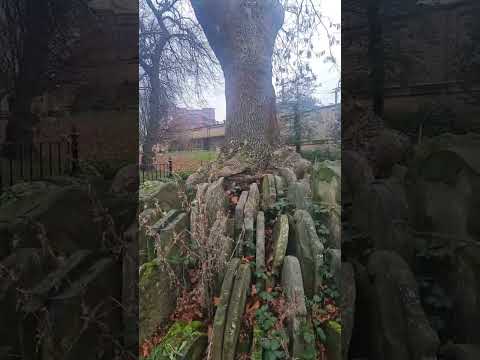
(193, 118)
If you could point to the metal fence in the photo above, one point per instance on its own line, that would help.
(21, 162)
(156, 171)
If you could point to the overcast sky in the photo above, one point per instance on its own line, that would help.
(328, 75)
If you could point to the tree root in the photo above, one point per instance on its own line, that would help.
(241, 163)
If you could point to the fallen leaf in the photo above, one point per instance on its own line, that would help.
(254, 307)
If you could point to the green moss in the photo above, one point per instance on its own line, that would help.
(335, 326)
(333, 332)
(146, 272)
(325, 170)
(180, 341)
(257, 350)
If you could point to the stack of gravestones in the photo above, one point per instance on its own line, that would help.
(300, 257)
(208, 224)
(379, 291)
(56, 271)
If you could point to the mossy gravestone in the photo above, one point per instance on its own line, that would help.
(157, 295)
(325, 182)
(280, 242)
(333, 333)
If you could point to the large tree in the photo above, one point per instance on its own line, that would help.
(242, 35)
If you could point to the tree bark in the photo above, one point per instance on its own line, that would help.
(376, 56)
(155, 114)
(242, 35)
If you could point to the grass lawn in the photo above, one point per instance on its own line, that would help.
(187, 161)
(199, 155)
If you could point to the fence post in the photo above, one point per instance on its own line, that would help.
(170, 167)
(74, 149)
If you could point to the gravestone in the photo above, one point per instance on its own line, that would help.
(269, 192)
(280, 243)
(236, 309)
(309, 250)
(222, 309)
(298, 324)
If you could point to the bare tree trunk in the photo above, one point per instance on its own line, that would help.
(20, 125)
(376, 56)
(297, 128)
(154, 117)
(242, 35)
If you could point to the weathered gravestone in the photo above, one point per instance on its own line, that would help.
(381, 210)
(464, 289)
(222, 309)
(280, 242)
(279, 185)
(31, 209)
(253, 202)
(239, 213)
(126, 180)
(157, 295)
(401, 329)
(171, 235)
(215, 200)
(219, 247)
(269, 191)
(21, 271)
(260, 248)
(325, 182)
(297, 196)
(95, 294)
(299, 326)
(146, 219)
(309, 250)
(159, 194)
(235, 312)
(288, 175)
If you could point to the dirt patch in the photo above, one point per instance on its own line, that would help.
(188, 161)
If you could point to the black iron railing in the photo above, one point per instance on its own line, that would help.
(156, 171)
(21, 162)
